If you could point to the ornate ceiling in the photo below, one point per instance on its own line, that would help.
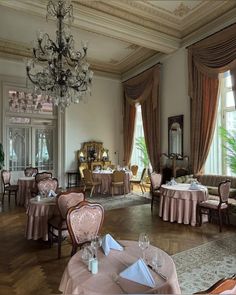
(121, 33)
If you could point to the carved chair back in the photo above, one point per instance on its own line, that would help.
(6, 177)
(156, 180)
(118, 176)
(31, 171)
(88, 177)
(66, 200)
(224, 190)
(41, 175)
(84, 221)
(134, 169)
(47, 184)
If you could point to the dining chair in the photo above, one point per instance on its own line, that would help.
(89, 182)
(140, 181)
(41, 175)
(8, 188)
(64, 201)
(118, 180)
(134, 170)
(216, 206)
(46, 185)
(31, 171)
(156, 181)
(38, 177)
(223, 286)
(84, 222)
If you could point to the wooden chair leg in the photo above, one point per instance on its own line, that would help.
(220, 220)
(200, 216)
(152, 203)
(91, 192)
(9, 197)
(15, 197)
(59, 244)
(141, 188)
(227, 213)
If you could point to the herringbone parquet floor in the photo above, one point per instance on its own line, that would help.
(31, 267)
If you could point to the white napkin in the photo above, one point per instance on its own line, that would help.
(109, 243)
(52, 193)
(139, 273)
(194, 186)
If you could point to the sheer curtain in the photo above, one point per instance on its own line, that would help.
(144, 89)
(206, 59)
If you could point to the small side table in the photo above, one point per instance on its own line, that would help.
(73, 178)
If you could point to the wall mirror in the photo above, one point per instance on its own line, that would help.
(175, 136)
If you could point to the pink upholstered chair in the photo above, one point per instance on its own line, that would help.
(65, 200)
(8, 188)
(41, 175)
(46, 185)
(156, 181)
(209, 206)
(31, 171)
(38, 177)
(84, 222)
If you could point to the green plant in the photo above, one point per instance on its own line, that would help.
(1, 156)
(229, 145)
(141, 145)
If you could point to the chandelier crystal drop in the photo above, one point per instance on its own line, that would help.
(57, 69)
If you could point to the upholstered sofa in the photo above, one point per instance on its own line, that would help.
(211, 181)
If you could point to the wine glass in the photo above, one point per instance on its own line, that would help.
(143, 243)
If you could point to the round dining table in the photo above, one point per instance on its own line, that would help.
(179, 202)
(38, 213)
(77, 279)
(105, 178)
(25, 185)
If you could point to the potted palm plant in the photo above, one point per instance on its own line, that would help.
(141, 145)
(229, 145)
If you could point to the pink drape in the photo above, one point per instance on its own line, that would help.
(143, 89)
(206, 59)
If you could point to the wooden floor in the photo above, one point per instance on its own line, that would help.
(31, 267)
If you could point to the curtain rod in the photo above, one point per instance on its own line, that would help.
(210, 35)
(159, 63)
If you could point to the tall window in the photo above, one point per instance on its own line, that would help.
(137, 154)
(216, 162)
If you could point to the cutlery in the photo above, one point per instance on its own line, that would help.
(158, 272)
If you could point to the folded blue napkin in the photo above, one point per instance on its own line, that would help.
(52, 193)
(109, 243)
(194, 186)
(138, 272)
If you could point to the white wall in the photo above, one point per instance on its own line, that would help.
(99, 119)
(174, 96)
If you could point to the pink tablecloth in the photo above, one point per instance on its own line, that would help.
(26, 184)
(78, 280)
(106, 178)
(179, 203)
(38, 214)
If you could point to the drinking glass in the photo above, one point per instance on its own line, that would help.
(96, 242)
(157, 260)
(143, 243)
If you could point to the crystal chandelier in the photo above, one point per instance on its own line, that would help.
(57, 69)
